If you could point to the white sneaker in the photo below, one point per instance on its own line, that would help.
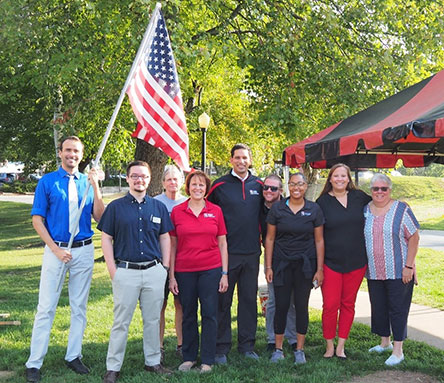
(379, 349)
(186, 366)
(394, 360)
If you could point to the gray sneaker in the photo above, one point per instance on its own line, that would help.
(277, 356)
(299, 357)
(220, 359)
(251, 355)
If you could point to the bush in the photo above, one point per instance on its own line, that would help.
(20, 187)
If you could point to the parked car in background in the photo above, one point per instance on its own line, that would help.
(34, 177)
(7, 178)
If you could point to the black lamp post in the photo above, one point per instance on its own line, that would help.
(204, 121)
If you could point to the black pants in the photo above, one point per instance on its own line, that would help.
(390, 304)
(199, 286)
(296, 282)
(243, 270)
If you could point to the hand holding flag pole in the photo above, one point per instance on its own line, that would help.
(146, 37)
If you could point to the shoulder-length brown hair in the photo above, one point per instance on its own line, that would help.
(327, 187)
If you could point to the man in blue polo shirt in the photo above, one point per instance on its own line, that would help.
(57, 193)
(135, 243)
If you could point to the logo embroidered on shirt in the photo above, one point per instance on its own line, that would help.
(209, 215)
(305, 213)
(254, 192)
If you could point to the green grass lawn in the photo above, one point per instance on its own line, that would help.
(20, 261)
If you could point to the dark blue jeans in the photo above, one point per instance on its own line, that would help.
(202, 286)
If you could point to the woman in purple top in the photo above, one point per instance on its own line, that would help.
(391, 238)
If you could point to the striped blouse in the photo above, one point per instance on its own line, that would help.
(386, 240)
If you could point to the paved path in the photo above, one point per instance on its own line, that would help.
(433, 239)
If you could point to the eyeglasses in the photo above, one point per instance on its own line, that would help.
(272, 188)
(378, 188)
(135, 177)
(294, 184)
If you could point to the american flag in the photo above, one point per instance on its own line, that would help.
(155, 96)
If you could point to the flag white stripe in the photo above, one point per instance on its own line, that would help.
(181, 152)
(139, 83)
(160, 91)
(156, 126)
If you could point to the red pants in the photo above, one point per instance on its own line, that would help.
(339, 292)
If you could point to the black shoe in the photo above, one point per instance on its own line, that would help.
(111, 376)
(78, 367)
(271, 347)
(32, 375)
(158, 369)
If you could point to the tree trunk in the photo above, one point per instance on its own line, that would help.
(157, 161)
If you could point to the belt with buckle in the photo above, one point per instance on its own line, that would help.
(74, 244)
(136, 266)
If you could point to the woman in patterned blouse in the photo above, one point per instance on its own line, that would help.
(391, 238)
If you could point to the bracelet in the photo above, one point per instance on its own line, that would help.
(224, 272)
(268, 267)
(408, 267)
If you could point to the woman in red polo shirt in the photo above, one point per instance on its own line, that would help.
(198, 268)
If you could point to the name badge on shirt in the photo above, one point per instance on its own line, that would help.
(209, 215)
(305, 213)
(156, 220)
(254, 192)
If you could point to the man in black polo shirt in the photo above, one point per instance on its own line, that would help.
(239, 194)
(135, 242)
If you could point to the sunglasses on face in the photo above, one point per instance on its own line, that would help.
(378, 188)
(272, 188)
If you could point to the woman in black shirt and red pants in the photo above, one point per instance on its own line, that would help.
(345, 255)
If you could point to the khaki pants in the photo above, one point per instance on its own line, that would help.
(129, 287)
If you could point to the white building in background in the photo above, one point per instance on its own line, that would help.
(10, 171)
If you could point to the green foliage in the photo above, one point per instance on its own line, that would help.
(268, 72)
(19, 187)
(434, 170)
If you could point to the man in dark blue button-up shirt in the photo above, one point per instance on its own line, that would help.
(135, 244)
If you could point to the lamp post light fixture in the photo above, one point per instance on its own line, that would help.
(204, 121)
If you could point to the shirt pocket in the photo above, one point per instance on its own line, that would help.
(151, 224)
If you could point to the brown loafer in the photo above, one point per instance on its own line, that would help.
(158, 369)
(111, 376)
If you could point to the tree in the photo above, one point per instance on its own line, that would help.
(268, 72)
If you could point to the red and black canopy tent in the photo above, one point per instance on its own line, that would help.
(407, 126)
